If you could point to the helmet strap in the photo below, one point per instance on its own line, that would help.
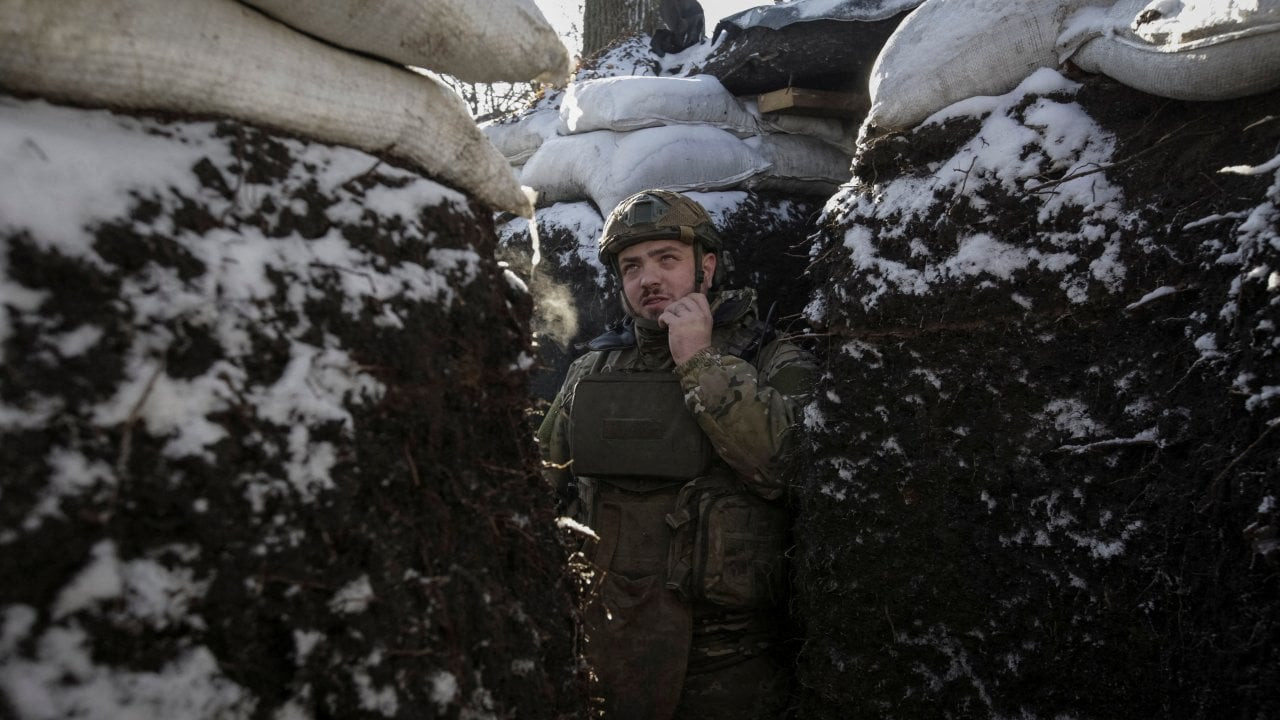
(686, 235)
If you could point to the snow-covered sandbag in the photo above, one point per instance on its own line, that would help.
(567, 166)
(949, 50)
(490, 41)
(606, 166)
(218, 57)
(518, 139)
(800, 164)
(781, 15)
(633, 102)
(1189, 50)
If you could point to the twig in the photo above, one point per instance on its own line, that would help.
(1217, 481)
(126, 436)
(362, 175)
(1105, 445)
(1256, 123)
(1102, 168)
(413, 466)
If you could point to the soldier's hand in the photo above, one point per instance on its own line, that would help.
(688, 322)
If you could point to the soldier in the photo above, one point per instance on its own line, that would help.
(665, 440)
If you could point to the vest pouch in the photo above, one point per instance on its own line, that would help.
(635, 425)
(728, 546)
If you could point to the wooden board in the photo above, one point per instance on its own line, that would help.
(805, 101)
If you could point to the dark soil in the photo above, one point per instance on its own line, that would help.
(963, 552)
(436, 497)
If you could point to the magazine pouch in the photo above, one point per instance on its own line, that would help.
(727, 548)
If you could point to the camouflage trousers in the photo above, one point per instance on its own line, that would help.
(735, 669)
(758, 688)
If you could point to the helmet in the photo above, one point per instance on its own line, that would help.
(656, 215)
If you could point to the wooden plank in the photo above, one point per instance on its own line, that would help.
(807, 101)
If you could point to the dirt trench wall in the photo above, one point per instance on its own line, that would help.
(1041, 474)
(261, 431)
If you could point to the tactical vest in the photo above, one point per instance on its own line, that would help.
(662, 502)
(634, 446)
(676, 526)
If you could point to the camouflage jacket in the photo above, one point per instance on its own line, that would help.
(748, 409)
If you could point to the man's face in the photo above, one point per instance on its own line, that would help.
(656, 273)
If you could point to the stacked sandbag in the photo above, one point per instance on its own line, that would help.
(816, 44)
(224, 59)
(619, 135)
(481, 42)
(949, 50)
(1039, 475)
(946, 51)
(520, 135)
(1190, 50)
(259, 411)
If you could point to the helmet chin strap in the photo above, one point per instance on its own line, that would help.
(686, 235)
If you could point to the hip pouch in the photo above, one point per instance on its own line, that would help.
(635, 425)
(728, 546)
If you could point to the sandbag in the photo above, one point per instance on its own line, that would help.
(949, 50)
(840, 132)
(606, 166)
(490, 41)
(635, 102)
(800, 164)
(1192, 50)
(218, 57)
(518, 139)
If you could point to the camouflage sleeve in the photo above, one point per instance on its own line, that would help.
(553, 445)
(553, 434)
(750, 414)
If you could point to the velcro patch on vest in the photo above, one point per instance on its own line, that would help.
(632, 429)
(635, 425)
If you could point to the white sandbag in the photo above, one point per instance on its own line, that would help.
(518, 139)
(1188, 50)
(800, 164)
(566, 167)
(489, 41)
(686, 157)
(605, 166)
(843, 134)
(217, 57)
(949, 50)
(633, 102)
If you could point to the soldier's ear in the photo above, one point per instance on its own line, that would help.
(708, 271)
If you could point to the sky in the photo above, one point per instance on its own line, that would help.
(566, 14)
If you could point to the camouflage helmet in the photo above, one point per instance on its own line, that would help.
(656, 215)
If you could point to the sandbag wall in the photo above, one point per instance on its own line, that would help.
(605, 138)
(1040, 475)
(260, 409)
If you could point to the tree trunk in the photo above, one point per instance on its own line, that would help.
(603, 21)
